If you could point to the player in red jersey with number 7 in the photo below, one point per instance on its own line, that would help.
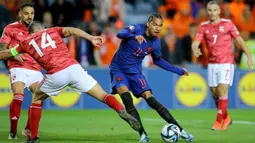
(218, 34)
(49, 50)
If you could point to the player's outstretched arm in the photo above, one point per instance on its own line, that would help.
(96, 40)
(165, 65)
(68, 31)
(195, 48)
(241, 42)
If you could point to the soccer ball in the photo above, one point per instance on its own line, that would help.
(170, 133)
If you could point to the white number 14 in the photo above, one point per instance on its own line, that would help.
(214, 38)
(46, 41)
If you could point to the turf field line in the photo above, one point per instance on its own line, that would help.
(201, 121)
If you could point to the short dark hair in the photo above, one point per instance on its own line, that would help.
(27, 4)
(34, 25)
(213, 2)
(154, 15)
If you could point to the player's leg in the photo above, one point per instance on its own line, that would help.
(214, 95)
(35, 115)
(216, 125)
(165, 114)
(32, 82)
(225, 78)
(15, 108)
(98, 93)
(81, 81)
(51, 85)
(213, 82)
(120, 86)
(229, 76)
(139, 86)
(17, 79)
(222, 115)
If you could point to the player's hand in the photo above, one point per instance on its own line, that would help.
(250, 64)
(97, 41)
(197, 52)
(140, 39)
(20, 58)
(186, 73)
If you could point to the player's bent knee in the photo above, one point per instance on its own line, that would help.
(97, 92)
(122, 89)
(222, 90)
(33, 87)
(39, 96)
(214, 91)
(18, 87)
(146, 94)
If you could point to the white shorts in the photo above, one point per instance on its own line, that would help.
(74, 76)
(28, 77)
(220, 73)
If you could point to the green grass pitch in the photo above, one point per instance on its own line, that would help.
(104, 126)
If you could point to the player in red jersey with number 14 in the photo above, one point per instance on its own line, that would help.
(47, 47)
(218, 34)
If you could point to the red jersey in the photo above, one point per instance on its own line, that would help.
(12, 35)
(48, 49)
(219, 40)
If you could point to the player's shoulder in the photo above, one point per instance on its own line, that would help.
(53, 29)
(141, 25)
(12, 25)
(205, 23)
(226, 21)
(135, 26)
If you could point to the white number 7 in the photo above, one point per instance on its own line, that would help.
(46, 41)
(214, 38)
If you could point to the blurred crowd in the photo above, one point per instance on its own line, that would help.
(107, 17)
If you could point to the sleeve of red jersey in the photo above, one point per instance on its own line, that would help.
(6, 37)
(200, 33)
(233, 30)
(60, 31)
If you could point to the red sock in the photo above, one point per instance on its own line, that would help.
(34, 119)
(222, 109)
(112, 102)
(217, 104)
(226, 115)
(28, 122)
(15, 108)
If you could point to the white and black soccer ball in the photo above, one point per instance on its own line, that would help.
(170, 133)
